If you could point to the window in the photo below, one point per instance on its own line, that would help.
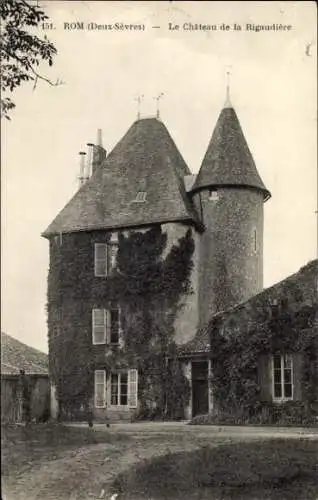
(213, 194)
(100, 388)
(140, 197)
(282, 375)
(124, 388)
(119, 389)
(99, 326)
(106, 326)
(114, 326)
(112, 255)
(105, 257)
(101, 259)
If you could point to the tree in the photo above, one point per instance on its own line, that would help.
(21, 50)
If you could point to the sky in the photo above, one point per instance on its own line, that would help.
(273, 86)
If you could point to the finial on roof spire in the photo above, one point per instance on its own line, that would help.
(82, 175)
(139, 100)
(228, 103)
(159, 96)
(99, 141)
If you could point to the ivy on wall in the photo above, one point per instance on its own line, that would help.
(147, 288)
(238, 347)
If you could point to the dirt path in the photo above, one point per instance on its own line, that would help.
(87, 472)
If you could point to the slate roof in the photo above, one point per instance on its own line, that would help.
(145, 159)
(16, 356)
(228, 160)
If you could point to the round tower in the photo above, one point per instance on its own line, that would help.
(229, 195)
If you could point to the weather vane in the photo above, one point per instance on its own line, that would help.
(159, 96)
(139, 100)
(228, 76)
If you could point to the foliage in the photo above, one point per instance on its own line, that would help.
(290, 413)
(242, 343)
(22, 51)
(147, 285)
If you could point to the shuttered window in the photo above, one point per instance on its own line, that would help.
(99, 329)
(100, 389)
(106, 326)
(105, 258)
(282, 377)
(124, 388)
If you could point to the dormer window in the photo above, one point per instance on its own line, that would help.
(140, 197)
(213, 194)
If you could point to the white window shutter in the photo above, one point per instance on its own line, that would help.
(99, 326)
(100, 259)
(100, 389)
(132, 388)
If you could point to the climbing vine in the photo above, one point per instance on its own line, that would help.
(241, 346)
(147, 283)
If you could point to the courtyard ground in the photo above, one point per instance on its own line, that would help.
(157, 461)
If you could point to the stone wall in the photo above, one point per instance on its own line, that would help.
(230, 258)
(187, 320)
(11, 404)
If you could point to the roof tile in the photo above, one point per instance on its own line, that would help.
(145, 159)
(228, 160)
(16, 356)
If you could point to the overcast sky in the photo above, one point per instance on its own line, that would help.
(273, 89)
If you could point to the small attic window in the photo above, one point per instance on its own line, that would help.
(140, 197)
(213, 194)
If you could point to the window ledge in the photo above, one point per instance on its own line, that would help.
(119, 407)
(282, 400)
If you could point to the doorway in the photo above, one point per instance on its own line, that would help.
(200, 388)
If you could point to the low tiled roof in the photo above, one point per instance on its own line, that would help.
(201, 341)
(146, 159)
(199, 344)
(228, 160)
(16, 356)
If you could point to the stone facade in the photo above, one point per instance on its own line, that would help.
(230, 249)
(72, 298)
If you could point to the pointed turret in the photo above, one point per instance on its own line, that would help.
(229, 194)
(228, 160)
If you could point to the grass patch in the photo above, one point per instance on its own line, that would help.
(274, 469)
(22, 447)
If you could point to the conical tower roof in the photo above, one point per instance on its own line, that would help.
(146, 160)
(228, 160)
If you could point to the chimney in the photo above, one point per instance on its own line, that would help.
(99, 153)
(82, 178)
(90, 149)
